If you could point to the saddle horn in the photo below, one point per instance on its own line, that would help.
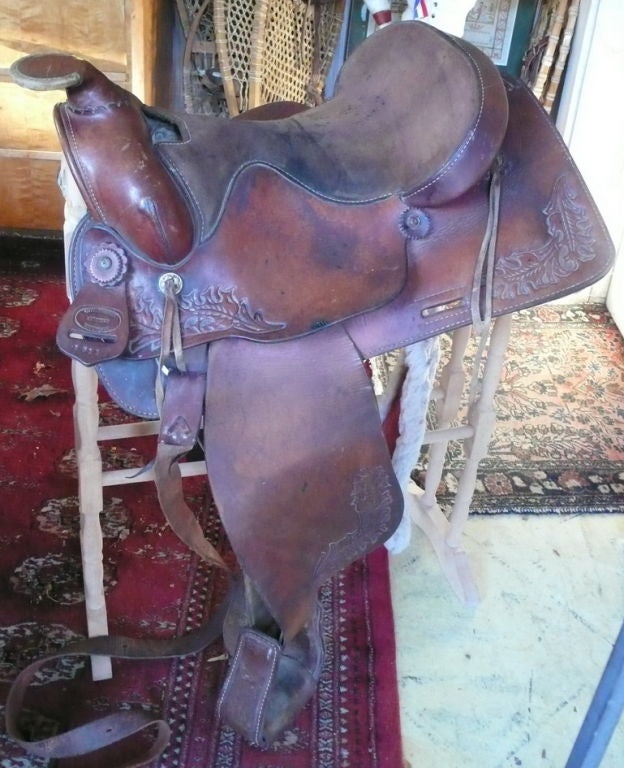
(106, 138)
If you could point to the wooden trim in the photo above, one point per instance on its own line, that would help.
(31, 154)
(29, 191)
(116, 77)
(142, 45)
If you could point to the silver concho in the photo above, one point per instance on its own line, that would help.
(170, 280)
(108, 264)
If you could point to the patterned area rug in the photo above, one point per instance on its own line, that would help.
(154, 587)
(558, 445)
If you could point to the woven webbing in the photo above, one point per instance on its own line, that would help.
(274, 50)
(287, 52)
(237, 23)
(202, 92)
(265, 51)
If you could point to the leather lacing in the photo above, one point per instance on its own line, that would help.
(170, 285)
(483, 280)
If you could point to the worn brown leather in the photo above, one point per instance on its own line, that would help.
(292, 246)
(551, 240)
(280, 282)
(147, 206)
(269, 679)
(118, 726)
(294, 446)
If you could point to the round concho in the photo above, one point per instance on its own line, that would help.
(414, 224)
(108, 264)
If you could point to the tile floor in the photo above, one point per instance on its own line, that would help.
(508, 683)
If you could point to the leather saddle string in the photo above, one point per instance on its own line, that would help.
(483, 280)
(118, 726)
(181, 417)
(170, 336)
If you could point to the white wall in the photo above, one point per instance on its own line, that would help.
(591, 119)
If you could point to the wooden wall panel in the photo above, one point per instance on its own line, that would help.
(94, 30)
(28, 122)
(141, 47)
(30, 196)
(118, 37)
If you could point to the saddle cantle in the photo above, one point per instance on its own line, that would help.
(233, 275)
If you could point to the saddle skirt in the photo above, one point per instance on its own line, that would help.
(250, 266)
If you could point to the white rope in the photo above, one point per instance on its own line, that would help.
(421, 360)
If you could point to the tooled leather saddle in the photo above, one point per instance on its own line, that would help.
(233, 275)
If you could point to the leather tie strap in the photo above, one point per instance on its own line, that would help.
(170, 335)
(481, 296)
(119, 726)
(483, 282)
(181, 419)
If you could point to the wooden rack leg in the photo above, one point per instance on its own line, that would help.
(482, 419)
(89, 460)
(88, 457)
(452, 385)
(422, 503)
(445, 534)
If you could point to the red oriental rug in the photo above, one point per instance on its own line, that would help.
(154, 587)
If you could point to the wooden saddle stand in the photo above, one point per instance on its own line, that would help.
(233, 275)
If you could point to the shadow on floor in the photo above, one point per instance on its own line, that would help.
(33, 252)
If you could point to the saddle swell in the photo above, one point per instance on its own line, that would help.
(105, 139)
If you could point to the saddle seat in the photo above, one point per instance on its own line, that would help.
(386, 132)
(274, 227)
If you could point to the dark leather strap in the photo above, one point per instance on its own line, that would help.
(181, 420)
(482, 286)
(119, 726)
(180, 517)
(96, 324)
